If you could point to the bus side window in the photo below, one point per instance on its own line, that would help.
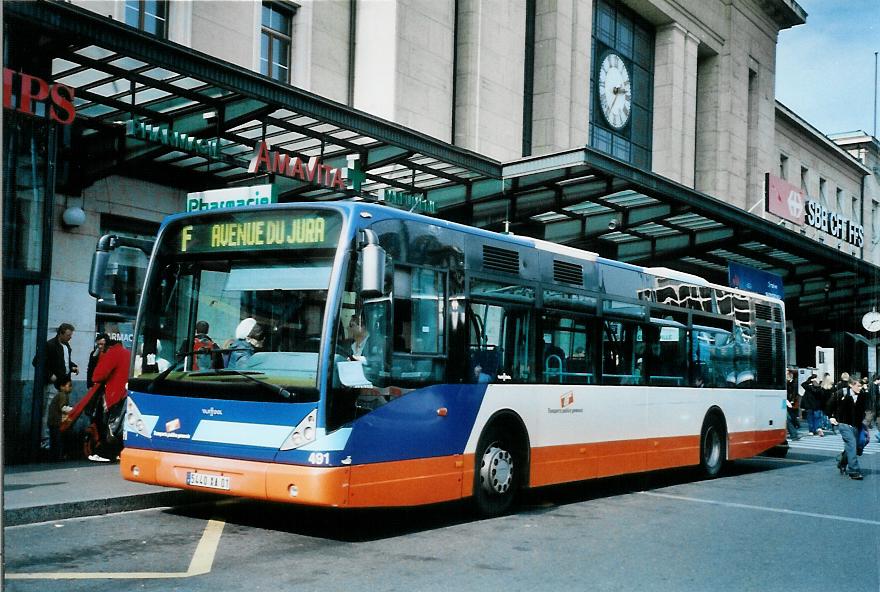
(418, 337)
(622, 353)
(567, 348)
(500, 343)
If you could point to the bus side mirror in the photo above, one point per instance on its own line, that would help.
(106, 245)
(372, 263)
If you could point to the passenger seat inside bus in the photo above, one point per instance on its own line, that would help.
(489, 360)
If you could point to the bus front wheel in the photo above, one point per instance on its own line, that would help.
(497, 471)
(712, 446)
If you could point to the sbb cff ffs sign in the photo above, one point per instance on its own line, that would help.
(23, 92)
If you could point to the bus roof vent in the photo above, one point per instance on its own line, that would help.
(777, 313)
(569, 273)
(763, 311)
(503, 260)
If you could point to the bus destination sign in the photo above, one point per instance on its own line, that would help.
(304, 230)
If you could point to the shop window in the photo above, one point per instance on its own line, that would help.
(275, 41)
(117, 306)
(149, 16)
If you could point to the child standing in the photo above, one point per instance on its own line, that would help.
(58, 410)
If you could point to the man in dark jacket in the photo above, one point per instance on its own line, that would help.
(848, 413)
(58, 362)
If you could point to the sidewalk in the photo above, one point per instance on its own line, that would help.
(55, 491)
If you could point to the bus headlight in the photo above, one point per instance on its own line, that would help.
(134, 422)
(303, 433)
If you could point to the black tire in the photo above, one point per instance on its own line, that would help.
(498, 471)
(778, 451)
(712, 446)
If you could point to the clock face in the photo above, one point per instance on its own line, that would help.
(871, 321)
(615, 92)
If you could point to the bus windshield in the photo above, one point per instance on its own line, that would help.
(235, 318)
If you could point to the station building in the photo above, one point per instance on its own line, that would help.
(643, 130)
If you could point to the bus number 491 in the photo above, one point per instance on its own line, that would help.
(319, 458)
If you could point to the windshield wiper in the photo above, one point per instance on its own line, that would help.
(181, 357)
(278, 390)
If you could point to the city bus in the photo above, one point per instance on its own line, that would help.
(365, 356)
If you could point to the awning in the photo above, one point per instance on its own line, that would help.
(122, 75)
(586, 199)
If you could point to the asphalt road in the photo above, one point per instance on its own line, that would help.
(766, 524)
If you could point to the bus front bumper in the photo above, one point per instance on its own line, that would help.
(319, 486)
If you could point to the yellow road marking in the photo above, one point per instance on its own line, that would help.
(201, 563)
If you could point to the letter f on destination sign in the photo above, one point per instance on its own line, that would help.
(185, 237)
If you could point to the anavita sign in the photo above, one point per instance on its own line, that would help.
(313, 171)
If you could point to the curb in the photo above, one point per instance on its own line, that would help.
(81, 509)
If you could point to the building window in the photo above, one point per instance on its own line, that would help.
(783, 166)
(805, 177)
(275, 41)
(623, 64)
(150, 16)
(856, 214)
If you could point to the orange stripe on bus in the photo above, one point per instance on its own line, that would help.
(427, 480)
(324, 486)
(407, 482)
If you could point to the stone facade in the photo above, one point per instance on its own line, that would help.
(827, 173)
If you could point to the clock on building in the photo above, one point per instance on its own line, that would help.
(871, 321)
(615, 90)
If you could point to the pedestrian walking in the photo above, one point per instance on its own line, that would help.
(792, 402)
(57, 363)
(872, 415)
(826, 396)
(812, 406)
(848, 413)
(112, 371)
(100, 347)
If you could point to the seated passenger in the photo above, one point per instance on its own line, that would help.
(248, 339)
(481, 377)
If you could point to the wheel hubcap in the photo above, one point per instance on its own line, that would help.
(496, 470)
(712, 448)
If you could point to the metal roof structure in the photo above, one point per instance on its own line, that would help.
(123, 75)
(585, 198)
(579, 197)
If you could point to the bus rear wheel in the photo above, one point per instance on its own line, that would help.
(497, 473)
(712, 446)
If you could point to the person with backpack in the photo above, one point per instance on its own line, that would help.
(208, 358)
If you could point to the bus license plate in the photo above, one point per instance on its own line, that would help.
(206, 480)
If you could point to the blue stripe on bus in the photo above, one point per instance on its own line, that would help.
(409, 427)
(193, 426)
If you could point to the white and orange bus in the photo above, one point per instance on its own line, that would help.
(367, 356)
